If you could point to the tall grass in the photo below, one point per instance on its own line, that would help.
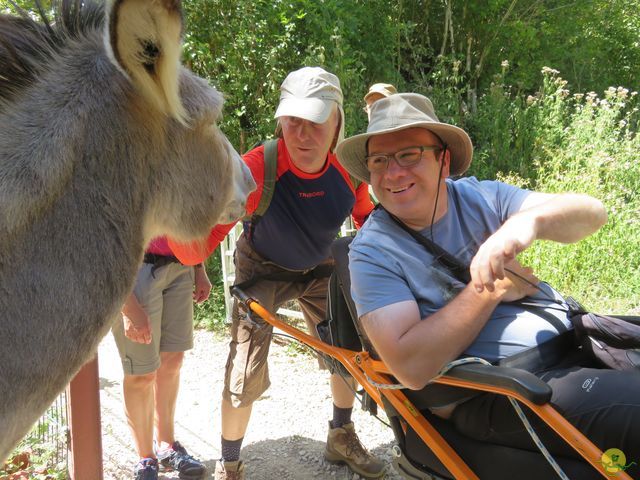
(559, 142)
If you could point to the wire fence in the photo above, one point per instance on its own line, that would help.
(43, 453)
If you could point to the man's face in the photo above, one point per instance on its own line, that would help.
(410, 192)
(308, 142)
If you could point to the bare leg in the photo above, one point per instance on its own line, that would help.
(342, 390)
(138, 407)
(166, 395)
(234, 420)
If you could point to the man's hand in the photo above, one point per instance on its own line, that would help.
(137, 329)
(517, 283)
(202, 286)
(488, 265)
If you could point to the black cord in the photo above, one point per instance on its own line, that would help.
(435, 206)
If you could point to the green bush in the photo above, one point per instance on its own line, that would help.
(558, 142)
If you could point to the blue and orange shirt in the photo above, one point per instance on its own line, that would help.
(303, 217)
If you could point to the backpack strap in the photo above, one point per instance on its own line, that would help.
(268, 185)
(270, 170)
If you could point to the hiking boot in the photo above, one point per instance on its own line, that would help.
(229, 470)
(343, 446)
(176, 458)
(146, 469)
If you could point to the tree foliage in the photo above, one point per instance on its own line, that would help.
(480, 63)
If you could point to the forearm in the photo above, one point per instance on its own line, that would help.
(566, 218)
(417, 351)
(450, 332)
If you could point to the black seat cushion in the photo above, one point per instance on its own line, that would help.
(489, 461)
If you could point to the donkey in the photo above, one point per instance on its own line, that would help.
(106, 141)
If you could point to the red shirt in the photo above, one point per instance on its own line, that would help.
(303, 218)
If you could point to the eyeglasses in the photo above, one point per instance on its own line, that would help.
(407, 157)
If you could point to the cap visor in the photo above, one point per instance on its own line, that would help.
(312, 109)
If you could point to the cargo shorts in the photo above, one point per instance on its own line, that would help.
(247, 370)
(167, 297)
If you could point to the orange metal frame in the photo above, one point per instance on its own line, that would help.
(363, 369)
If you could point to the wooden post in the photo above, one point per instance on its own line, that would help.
(85, 446)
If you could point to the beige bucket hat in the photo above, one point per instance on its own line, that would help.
(384, 89)
(399, 112)
(311, 93)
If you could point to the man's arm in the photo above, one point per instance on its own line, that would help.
(416, 349)
(564, 218)
(363, 205)
(202, 284)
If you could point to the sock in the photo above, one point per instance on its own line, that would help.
(341, 416)
(231, 449)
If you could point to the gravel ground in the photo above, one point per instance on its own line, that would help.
(288, 427)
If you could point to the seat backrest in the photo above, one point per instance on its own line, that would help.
(341, 310)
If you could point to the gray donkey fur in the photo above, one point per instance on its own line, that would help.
(105, 142)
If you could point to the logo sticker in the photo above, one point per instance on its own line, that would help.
(614, 461)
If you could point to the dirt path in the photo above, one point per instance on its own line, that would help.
(288, 426)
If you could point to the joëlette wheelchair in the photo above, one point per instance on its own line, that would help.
(429, 447)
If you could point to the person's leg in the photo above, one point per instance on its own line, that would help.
(247, 370)
(343, 444)
(138, 407)
(246, 376)
(176, 338)
(603, 404)
(166, 394)
(140, 363)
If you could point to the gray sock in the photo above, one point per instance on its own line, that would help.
(341, 416)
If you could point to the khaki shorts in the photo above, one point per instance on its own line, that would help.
(247, 370)
(168, 300)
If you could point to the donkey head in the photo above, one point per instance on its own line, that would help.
(113, 89)
(143, 40)
(105, 142)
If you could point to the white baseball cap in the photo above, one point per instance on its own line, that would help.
(311, 93)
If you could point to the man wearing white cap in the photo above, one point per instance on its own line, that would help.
(312, 196)
(421, 311)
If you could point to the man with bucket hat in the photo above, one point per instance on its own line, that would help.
(435, 276)
(311, 197)
(376, 92)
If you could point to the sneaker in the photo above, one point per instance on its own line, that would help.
(344, 447)
(146, 469)
(177, 458)
(229, 470)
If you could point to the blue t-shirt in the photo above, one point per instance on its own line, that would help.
(389, 266)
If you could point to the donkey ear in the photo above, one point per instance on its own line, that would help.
(144, 40)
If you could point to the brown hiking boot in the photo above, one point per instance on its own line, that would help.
(343, 446)
(229, 470)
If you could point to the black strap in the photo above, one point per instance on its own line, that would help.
(448, 261)
(321, 271)
(158, 261)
